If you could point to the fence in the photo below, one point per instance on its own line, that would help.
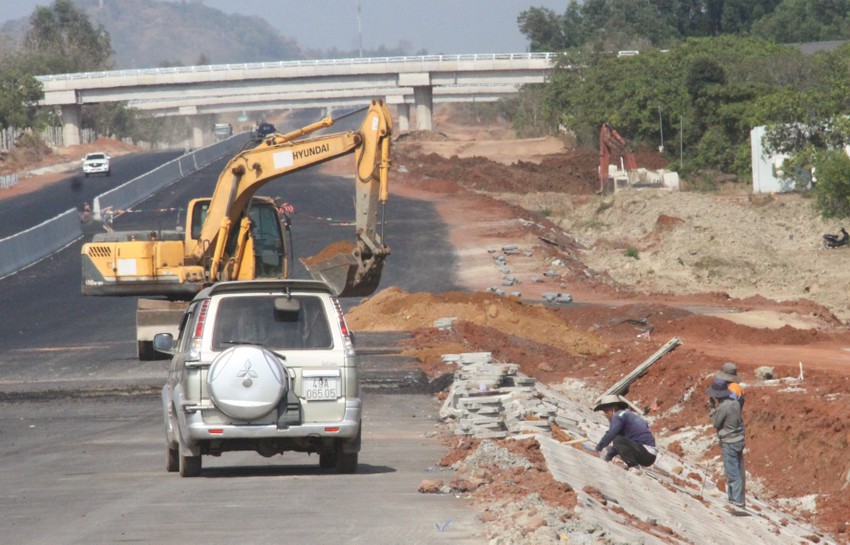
(52, 136)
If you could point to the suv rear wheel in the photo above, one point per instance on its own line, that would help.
(327, 459)
(338, 460)
(190, 466)
(172, 459)
(346, 462)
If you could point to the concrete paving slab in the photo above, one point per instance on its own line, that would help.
(645, 500)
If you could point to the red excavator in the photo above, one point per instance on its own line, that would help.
(612, 144)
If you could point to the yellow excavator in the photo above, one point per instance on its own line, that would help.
(235, 235)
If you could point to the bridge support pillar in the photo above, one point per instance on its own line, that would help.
(403, 117)
(197, 122)
(70, 124)
(422, 96)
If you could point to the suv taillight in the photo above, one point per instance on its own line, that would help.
(342, 325)
(346, 335)
(202, 317)
(195, 350)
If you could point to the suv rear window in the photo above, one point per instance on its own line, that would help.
(253, 320)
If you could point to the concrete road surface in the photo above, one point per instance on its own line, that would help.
(92, 470)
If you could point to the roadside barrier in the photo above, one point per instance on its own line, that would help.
(7, 181)
(28, 247)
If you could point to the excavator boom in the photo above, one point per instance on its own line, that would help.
(349, 273)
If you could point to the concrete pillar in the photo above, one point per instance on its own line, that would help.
(403, 117)
(70, 124)
(197, 131)
(424, 106)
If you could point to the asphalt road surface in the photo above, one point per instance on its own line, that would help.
(32, 208)
(82, 442)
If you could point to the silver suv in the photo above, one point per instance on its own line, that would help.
(266, 365)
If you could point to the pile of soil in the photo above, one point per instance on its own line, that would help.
(738, 278)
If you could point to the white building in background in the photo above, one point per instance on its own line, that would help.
(767, 167)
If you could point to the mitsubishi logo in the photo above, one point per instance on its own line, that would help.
(247, 374)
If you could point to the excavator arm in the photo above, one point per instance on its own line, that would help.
(610, 142)
(350, 269)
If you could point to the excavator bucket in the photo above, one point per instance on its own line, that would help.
(344, 268)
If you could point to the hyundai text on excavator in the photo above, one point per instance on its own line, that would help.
(236, 235)
(611, 143)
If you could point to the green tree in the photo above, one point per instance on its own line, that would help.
(543, 29)
(738, 16)
(796, 21)
(832, 190)
(19, 95)
(62, 40)
(696, 93)
(612, 25)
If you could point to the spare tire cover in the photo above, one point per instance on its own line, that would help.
(246, 382)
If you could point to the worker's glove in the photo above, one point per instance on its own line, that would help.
(589, 446)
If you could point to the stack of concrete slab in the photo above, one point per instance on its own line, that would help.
(492, 400)
(674, 501)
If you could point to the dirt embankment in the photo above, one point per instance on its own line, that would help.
(737, 277)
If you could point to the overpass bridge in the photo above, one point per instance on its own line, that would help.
(404, 82)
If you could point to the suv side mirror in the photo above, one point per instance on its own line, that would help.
(164, 342)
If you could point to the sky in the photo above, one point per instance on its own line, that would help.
(438, 26)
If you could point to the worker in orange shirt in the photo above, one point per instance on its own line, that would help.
(729, 373)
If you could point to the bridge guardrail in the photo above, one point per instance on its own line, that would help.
(300, 63)
(28, 247)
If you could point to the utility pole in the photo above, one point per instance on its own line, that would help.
(661, 125)
(359, 30)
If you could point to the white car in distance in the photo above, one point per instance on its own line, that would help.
(96, 163)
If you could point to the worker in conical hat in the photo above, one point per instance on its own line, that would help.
(628, 434)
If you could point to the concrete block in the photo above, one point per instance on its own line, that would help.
(491, 435)
(473, 357)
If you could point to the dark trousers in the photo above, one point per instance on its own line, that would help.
(632, 452)
(733, 465)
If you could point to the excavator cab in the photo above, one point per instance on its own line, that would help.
(267, 243)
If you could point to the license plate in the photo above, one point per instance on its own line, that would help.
(320, 388)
